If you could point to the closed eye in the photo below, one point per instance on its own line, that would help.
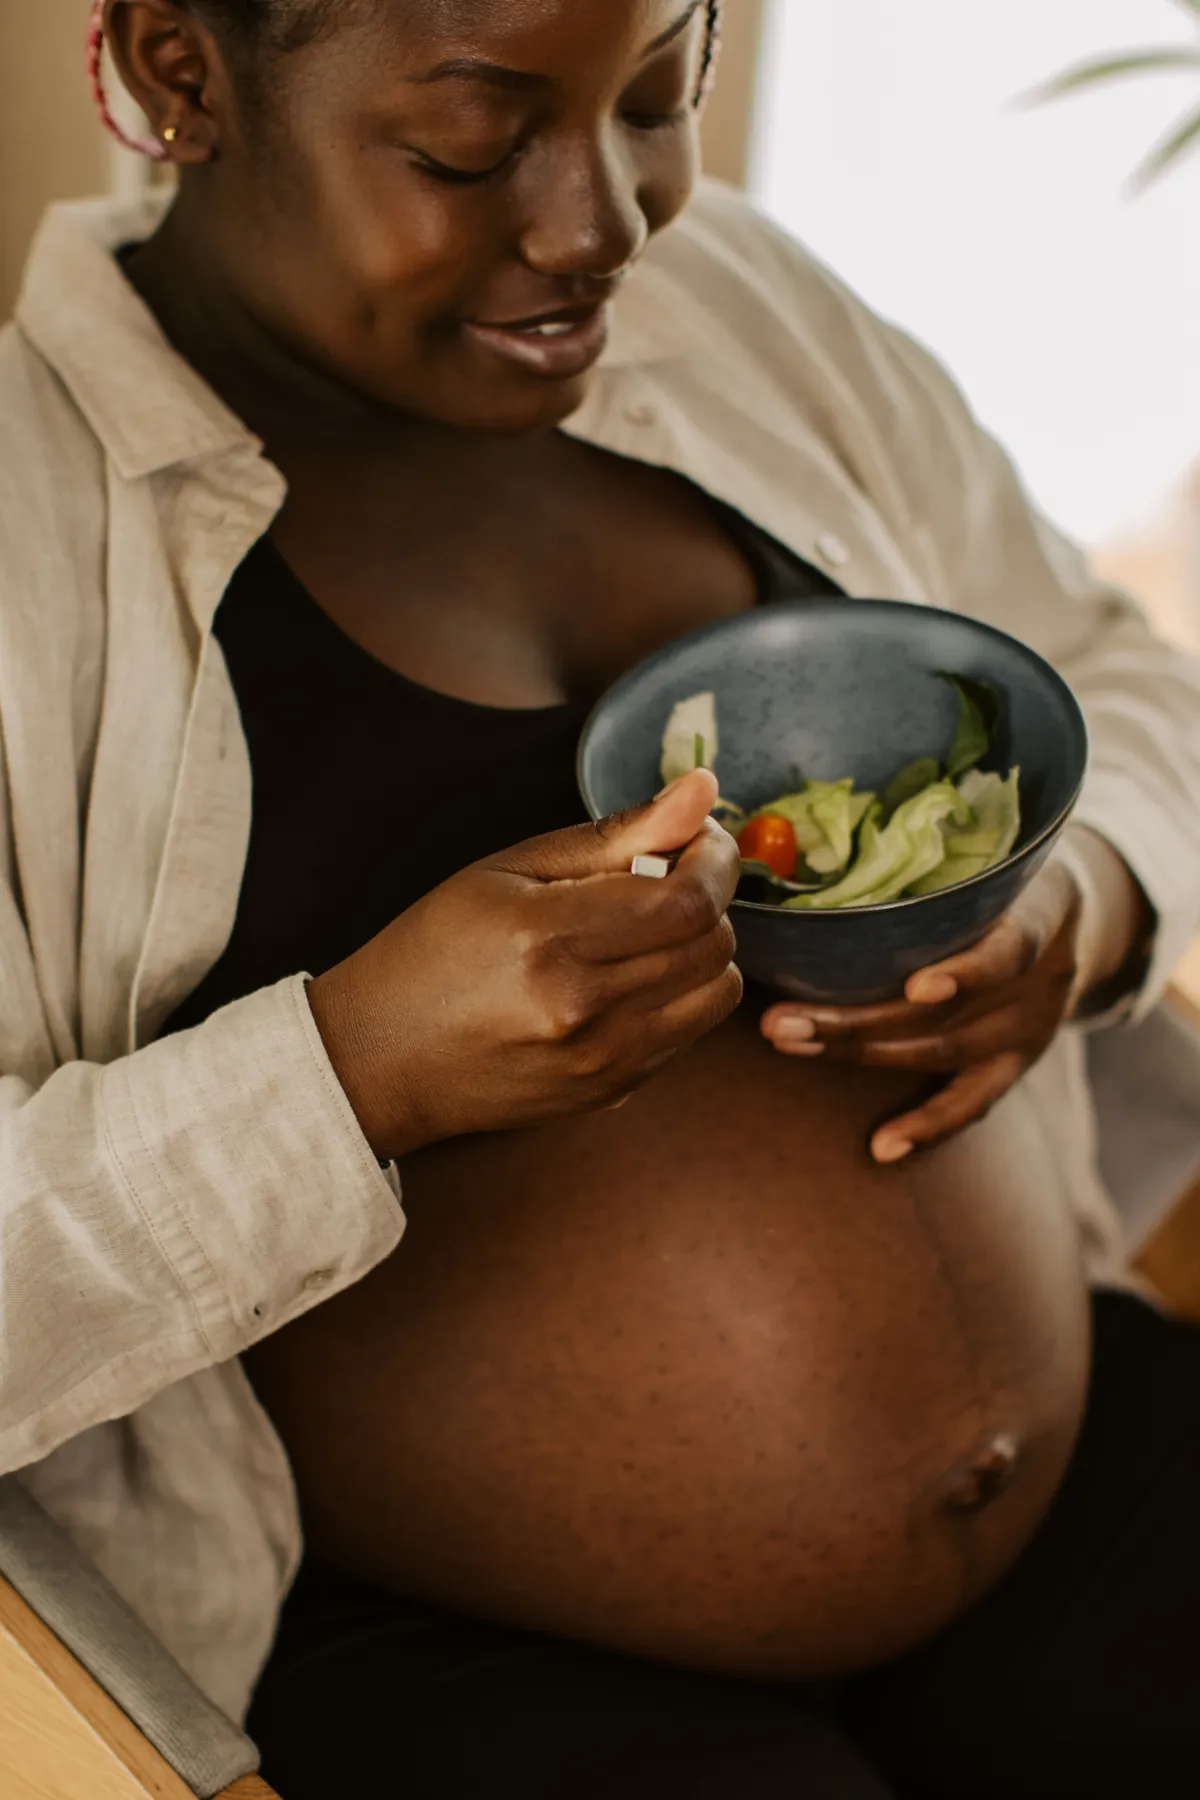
(651, 121)
(455, 177)
(446, 172)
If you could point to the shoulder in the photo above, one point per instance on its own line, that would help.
(748, 267)
(43, 433)
(45, 440)
(772, 312)
(723, 226)
(52, 481)
(765, 306)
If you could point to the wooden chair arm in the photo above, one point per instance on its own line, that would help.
(62, 1737)
(1183, 996)
(1170, 1261)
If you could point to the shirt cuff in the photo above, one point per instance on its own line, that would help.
(241, 1150)
(1162, 858)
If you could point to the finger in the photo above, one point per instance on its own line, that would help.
(1044, 915)
(788, 1026)
(1005, 953)
(984, 1020)
(966, 1100)
(692, 1016)
(658, 1037)
(1016, 1026)
(800, 1042)
(609, 846)
(625, 917)
(670, 822)
(664, 975)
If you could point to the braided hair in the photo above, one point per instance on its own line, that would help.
(292, 23)
(712, 50)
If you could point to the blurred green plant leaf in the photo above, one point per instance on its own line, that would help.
(1112, 68)
(1175, 145)
(1183, 138)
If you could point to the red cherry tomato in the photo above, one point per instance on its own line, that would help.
(770, 839)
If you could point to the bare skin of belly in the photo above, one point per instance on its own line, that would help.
(697, 1380)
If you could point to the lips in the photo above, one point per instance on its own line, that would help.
(555, 347)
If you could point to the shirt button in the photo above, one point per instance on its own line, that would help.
(641, 413)
(831, 549)
(318, 1279)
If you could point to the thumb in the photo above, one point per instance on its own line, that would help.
(668, 824)
(610, 845)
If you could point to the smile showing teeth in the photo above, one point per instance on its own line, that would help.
(553, 349)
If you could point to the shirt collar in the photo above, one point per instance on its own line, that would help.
(146, 405)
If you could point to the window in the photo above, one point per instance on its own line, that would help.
(1002, 238)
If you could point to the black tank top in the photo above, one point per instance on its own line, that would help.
(339, 743)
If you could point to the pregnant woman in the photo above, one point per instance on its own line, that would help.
(751, 1406)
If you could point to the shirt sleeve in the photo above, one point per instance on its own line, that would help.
(161, 1213)
(991, 554)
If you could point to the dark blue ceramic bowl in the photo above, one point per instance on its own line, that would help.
(826, 689)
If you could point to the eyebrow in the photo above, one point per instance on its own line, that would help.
(468, 68)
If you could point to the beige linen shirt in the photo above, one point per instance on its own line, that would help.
(164, 1205)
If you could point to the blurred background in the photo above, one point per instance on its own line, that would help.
(888, 138)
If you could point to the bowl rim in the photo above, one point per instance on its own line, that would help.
(722, 627)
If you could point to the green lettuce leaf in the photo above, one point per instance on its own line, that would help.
(839, 812)
(988, 838)
(825, 815)
(912, 781)
(894, 855)
(979, 714)
(954, 870)
(930, 831)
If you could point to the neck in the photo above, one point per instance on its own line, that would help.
(307, 419)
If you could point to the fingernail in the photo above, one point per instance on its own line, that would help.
(672, 785)
(793, 1031)
(891, 1150)
(934, 990)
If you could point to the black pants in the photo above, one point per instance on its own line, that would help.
(1078, 1679)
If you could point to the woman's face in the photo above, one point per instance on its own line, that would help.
(435, 201)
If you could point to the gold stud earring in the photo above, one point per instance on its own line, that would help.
(170, 134)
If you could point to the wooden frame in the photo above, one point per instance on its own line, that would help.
(1170, 1262)
(63, 1738)
(729, 121)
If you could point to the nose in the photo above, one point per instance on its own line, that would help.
(585, 213)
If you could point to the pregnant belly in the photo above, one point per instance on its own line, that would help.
(696, 1379)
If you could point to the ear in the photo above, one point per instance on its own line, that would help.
(174, 70)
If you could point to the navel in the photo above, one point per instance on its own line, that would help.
(980, 1480)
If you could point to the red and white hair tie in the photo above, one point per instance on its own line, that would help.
(95, 66)
(712, 50)
(151, 147)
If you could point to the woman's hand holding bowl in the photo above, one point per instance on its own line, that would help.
(985, 1017)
